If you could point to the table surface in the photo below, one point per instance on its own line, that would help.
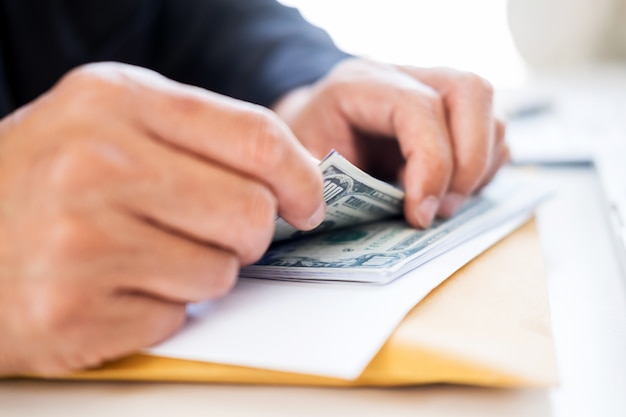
(588, 303)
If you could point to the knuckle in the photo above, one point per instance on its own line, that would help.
(67, 168)
(93, 85)
(268, 147)
(475, 84)
(186, 105)
(68, 165)
(81, 162)
(67, 241)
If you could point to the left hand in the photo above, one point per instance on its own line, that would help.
(432, 129)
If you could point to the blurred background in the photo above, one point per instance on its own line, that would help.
(472, 35)
(504, 41)
(561, 61)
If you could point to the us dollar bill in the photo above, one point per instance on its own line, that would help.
(352, 197)
(365, 240)
(375, 252)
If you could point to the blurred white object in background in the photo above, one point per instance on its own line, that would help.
(576, 52)
(566, 33)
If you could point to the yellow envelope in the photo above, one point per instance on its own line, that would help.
(488, 324)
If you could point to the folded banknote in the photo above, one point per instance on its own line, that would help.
(364, 238)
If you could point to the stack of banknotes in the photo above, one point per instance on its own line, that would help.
(364, 237)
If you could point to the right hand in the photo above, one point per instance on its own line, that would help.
(124, 196)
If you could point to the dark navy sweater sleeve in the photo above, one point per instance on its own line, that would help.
(255, 50)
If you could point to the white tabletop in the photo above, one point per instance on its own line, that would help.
(587, 295)
(588, 302)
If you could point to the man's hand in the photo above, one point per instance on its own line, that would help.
(433, 129)
(124, 196)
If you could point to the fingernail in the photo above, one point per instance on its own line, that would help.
(451, 203)
(426, 210)
(318, 216)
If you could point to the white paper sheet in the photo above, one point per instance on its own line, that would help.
(321, 329)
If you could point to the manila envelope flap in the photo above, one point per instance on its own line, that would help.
(488, 324)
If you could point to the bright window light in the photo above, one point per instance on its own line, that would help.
(469, 35)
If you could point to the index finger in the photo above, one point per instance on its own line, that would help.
(420, 126)
(399, 106)
(243, 137)
(468, 100)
